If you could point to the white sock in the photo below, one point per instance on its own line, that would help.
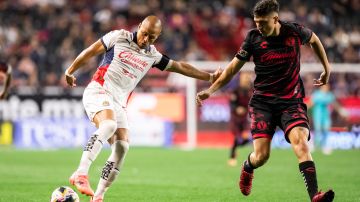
(106, 129)
(112, 167)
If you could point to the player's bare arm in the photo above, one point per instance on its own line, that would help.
(5, 90)
(93, 50)
(233, 67)
(190, 71)
(321, 54)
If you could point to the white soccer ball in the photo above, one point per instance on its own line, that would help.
(64, 194)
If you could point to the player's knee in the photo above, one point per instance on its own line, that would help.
(302, 147)
(121, 147)
(108, 127)
(298, 135)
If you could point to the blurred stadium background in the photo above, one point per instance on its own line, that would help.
(40, 38)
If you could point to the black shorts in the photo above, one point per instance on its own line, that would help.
(265, 116)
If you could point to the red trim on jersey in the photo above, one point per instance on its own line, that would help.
(293, 125)
(128, 99)
(261, 135)
(267, 94)
(99, 74)
(293, 84)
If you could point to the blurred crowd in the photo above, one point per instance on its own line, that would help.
(40, 38)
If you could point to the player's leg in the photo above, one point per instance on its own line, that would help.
(243, 137)
(298, 137)
(261, 153)
(106, 125)
(326, 149)
(104, 121)
(262, 130)
(263, 124)
(235, 130)
(255, 159)
(239, 140)
(318, 131)
(99, 107)
(233, 161)
(119, 148)
(296, 127)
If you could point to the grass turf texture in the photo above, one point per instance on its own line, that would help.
(158, 174)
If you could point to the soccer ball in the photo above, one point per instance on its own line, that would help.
(64, 194)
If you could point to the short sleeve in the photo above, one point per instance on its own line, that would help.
(109, 39)
(245, 51)
(304, 33)
(161, 61)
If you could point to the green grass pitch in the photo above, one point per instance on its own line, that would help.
(158, 174)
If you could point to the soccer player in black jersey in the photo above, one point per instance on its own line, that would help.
(278, 91)
(5, 75)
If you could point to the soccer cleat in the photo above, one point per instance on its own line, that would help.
(81, 183)
(245, 182)
(324, 196)
(96, 199)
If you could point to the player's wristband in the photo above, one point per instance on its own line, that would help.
(211, 79)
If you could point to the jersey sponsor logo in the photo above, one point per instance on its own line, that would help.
(276, 57)
(132, 60)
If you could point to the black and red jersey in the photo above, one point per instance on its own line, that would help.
(277, 61)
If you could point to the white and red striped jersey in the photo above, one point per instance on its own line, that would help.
(125, 64)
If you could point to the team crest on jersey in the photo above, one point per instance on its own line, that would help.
(261, 125)
(243, 53)
(106, 103)
(290, 41)
(264, 44)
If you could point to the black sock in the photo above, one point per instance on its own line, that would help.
(248, 167)
(308, 171)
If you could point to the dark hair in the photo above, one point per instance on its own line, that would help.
(265, 7)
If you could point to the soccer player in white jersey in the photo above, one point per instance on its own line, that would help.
(128, 56)
(5, 77)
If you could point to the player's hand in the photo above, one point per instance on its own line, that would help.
(217, 74)
(70, 79)
(324, 79)
(203, 95)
